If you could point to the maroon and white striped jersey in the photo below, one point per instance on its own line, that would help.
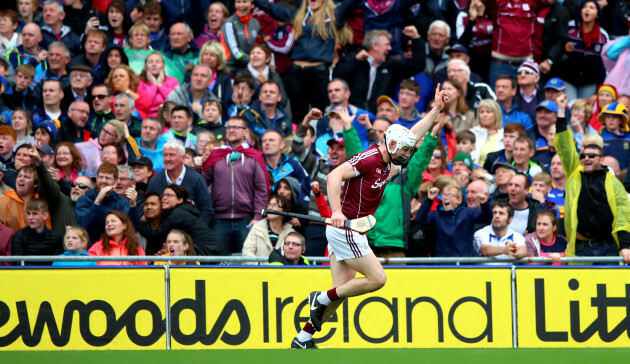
(362, 194)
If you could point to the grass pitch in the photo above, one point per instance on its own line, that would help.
(362, 356)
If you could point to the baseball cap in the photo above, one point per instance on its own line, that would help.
(464, 157)
(337, 139)
(529, 65)
(556, 84)
(143, 161)
(384, 98)
(457, 48)
(504, 165)
(46, 149)
(549, 105)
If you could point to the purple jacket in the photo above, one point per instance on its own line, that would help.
(238, 189)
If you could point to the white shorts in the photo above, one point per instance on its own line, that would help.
(346, 244)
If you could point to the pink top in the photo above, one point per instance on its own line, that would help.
(362, 194)
(114, 250)
(157, 94)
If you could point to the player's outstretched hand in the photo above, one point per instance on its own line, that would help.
(440, 97)
(338, 219)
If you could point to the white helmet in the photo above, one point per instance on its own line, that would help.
(403, 137)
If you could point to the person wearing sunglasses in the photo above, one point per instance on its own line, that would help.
(101, 101)
(597, 209)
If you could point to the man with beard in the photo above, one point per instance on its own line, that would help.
(236, 205)
(497, 239)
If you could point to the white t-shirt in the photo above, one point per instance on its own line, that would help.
(487, 236)
(519, 222)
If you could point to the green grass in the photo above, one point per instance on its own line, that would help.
(362, 356)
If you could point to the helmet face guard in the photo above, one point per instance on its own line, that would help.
(403, 138)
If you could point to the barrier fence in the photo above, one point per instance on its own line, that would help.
(313, 260)
(220, 307)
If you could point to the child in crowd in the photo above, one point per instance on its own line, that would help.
(189, 157)
(616, 132)
(211, 112)
(36, 238)
(178, 243)
(541, 186)
(203, 137)
(453, 222)
(75, 244)
(465, 141)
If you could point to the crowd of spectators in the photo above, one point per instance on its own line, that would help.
(146, 127)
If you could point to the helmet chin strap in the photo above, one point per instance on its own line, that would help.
(391, 158)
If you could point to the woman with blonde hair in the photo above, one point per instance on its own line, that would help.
(154, 83)
(122, 79)
(74, 245)
(212, 55)
(316, 31)
(489, 132)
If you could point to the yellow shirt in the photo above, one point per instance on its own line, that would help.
(489, 147)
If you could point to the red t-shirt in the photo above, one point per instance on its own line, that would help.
(362, 194)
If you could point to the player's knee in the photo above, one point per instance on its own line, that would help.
(379, 280)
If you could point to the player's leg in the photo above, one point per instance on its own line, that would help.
(341, 273)
(373, 280)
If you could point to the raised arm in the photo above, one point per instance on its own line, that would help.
(420, 128)
(276, 11)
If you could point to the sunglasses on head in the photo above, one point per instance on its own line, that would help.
(80, 185)
(590, 155)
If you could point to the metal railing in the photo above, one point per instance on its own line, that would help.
(231, 260)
